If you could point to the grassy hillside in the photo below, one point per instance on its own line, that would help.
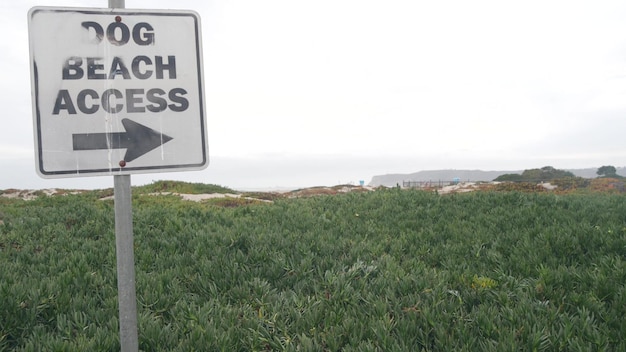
(389, 270)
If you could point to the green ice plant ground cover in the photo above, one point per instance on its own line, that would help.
(390, 270)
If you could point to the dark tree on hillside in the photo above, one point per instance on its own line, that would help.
(509, 177)
(607, 171)
(546, 173)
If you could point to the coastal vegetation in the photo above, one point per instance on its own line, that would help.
(383, 270)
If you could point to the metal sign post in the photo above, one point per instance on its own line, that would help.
(126, 291)
(125, 264)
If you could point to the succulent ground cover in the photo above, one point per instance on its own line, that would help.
(386, 270)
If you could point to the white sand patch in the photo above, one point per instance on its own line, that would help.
(205, 196)
(458, 188)
(201, 197)
(30, 194)
(548, 186)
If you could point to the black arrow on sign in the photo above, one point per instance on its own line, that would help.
(138, 140)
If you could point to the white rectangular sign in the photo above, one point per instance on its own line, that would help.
(116, 91)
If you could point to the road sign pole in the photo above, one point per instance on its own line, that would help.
(124, 247)
(125, 264)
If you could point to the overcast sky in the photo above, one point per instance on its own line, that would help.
(303, 93)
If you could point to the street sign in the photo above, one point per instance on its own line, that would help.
(116, 91)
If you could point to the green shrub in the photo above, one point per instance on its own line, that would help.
(181, 187)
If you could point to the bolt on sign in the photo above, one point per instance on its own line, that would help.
(116, 91)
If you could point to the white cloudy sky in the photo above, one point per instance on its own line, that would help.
(320, 92)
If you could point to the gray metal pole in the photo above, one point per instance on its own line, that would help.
(129, 341)
(126, 292)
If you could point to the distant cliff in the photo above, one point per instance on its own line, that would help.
(391, 180)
